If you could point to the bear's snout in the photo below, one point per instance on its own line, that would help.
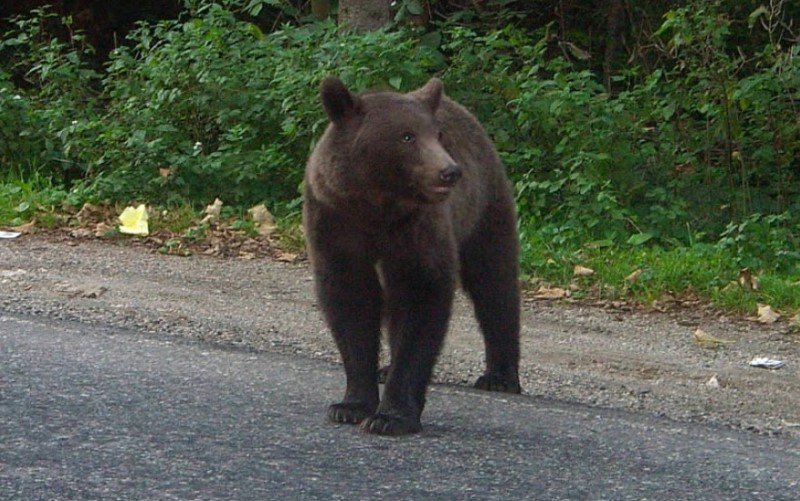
(450, 174)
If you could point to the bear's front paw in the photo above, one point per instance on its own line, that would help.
(349, 412)
(386, 424)
(495, 381)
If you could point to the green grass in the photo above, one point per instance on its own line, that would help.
(23, 200)
(175, 219)
(700, 271)
(782, 293)
(290, 232)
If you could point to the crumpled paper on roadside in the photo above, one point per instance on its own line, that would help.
(767, 363)
(133, 221)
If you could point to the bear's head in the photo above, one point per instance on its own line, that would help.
(393, 142)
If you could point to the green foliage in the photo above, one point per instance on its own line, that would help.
(737, 132)
(672, 160)
(43, 122)
(208, 107)
(689, 165)
(22, 200)
(764, 242)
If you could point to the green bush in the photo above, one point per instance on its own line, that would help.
(191, 110)
(764, 243)
(44, 121)
(212, 107)
(673, 159)
(704, 148)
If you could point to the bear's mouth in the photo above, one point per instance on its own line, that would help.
(432, 194)
(439, 192)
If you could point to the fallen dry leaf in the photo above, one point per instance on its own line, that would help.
(93, 292)
(88, 213)
(164, 172)
(263, 219)
(550, 293)
(286, 257)
(747, 280)
(212, 212)
(212, 250)
(28, 227)
(633, 276)
(89, 291)
(81, 233)
(706, 340)
(101, 229)
(684, 169)
(582, 271)
(766, 315)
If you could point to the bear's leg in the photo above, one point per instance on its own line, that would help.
(419, 310)
(350, 297)
(490, 275)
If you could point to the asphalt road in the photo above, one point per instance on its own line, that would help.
(93, 412)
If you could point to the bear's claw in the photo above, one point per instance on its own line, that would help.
(348, 413)
(385, 424)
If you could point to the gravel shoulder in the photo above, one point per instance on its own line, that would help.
(645, 362)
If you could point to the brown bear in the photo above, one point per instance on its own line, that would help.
(403, 193)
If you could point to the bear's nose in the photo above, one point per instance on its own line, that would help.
(450, 174)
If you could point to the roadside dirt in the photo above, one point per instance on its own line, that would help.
(647, 362)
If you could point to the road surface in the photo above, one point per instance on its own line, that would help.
(98, 412)
(600, 357)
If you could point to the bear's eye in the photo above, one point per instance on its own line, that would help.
(408, 137)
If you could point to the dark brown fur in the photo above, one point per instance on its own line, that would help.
(383, 195)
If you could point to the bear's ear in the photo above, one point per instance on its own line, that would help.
(339, 103)
(430, 94)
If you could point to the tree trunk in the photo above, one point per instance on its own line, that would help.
(614, 25)
(363, 15)
(321, 8)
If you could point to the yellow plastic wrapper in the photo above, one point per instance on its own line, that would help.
(134, 221)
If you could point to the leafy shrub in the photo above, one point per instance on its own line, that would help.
(44, 120)
(704, 148)
(764, 242)
(734, 120)
(212, 107)
(677, 155)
